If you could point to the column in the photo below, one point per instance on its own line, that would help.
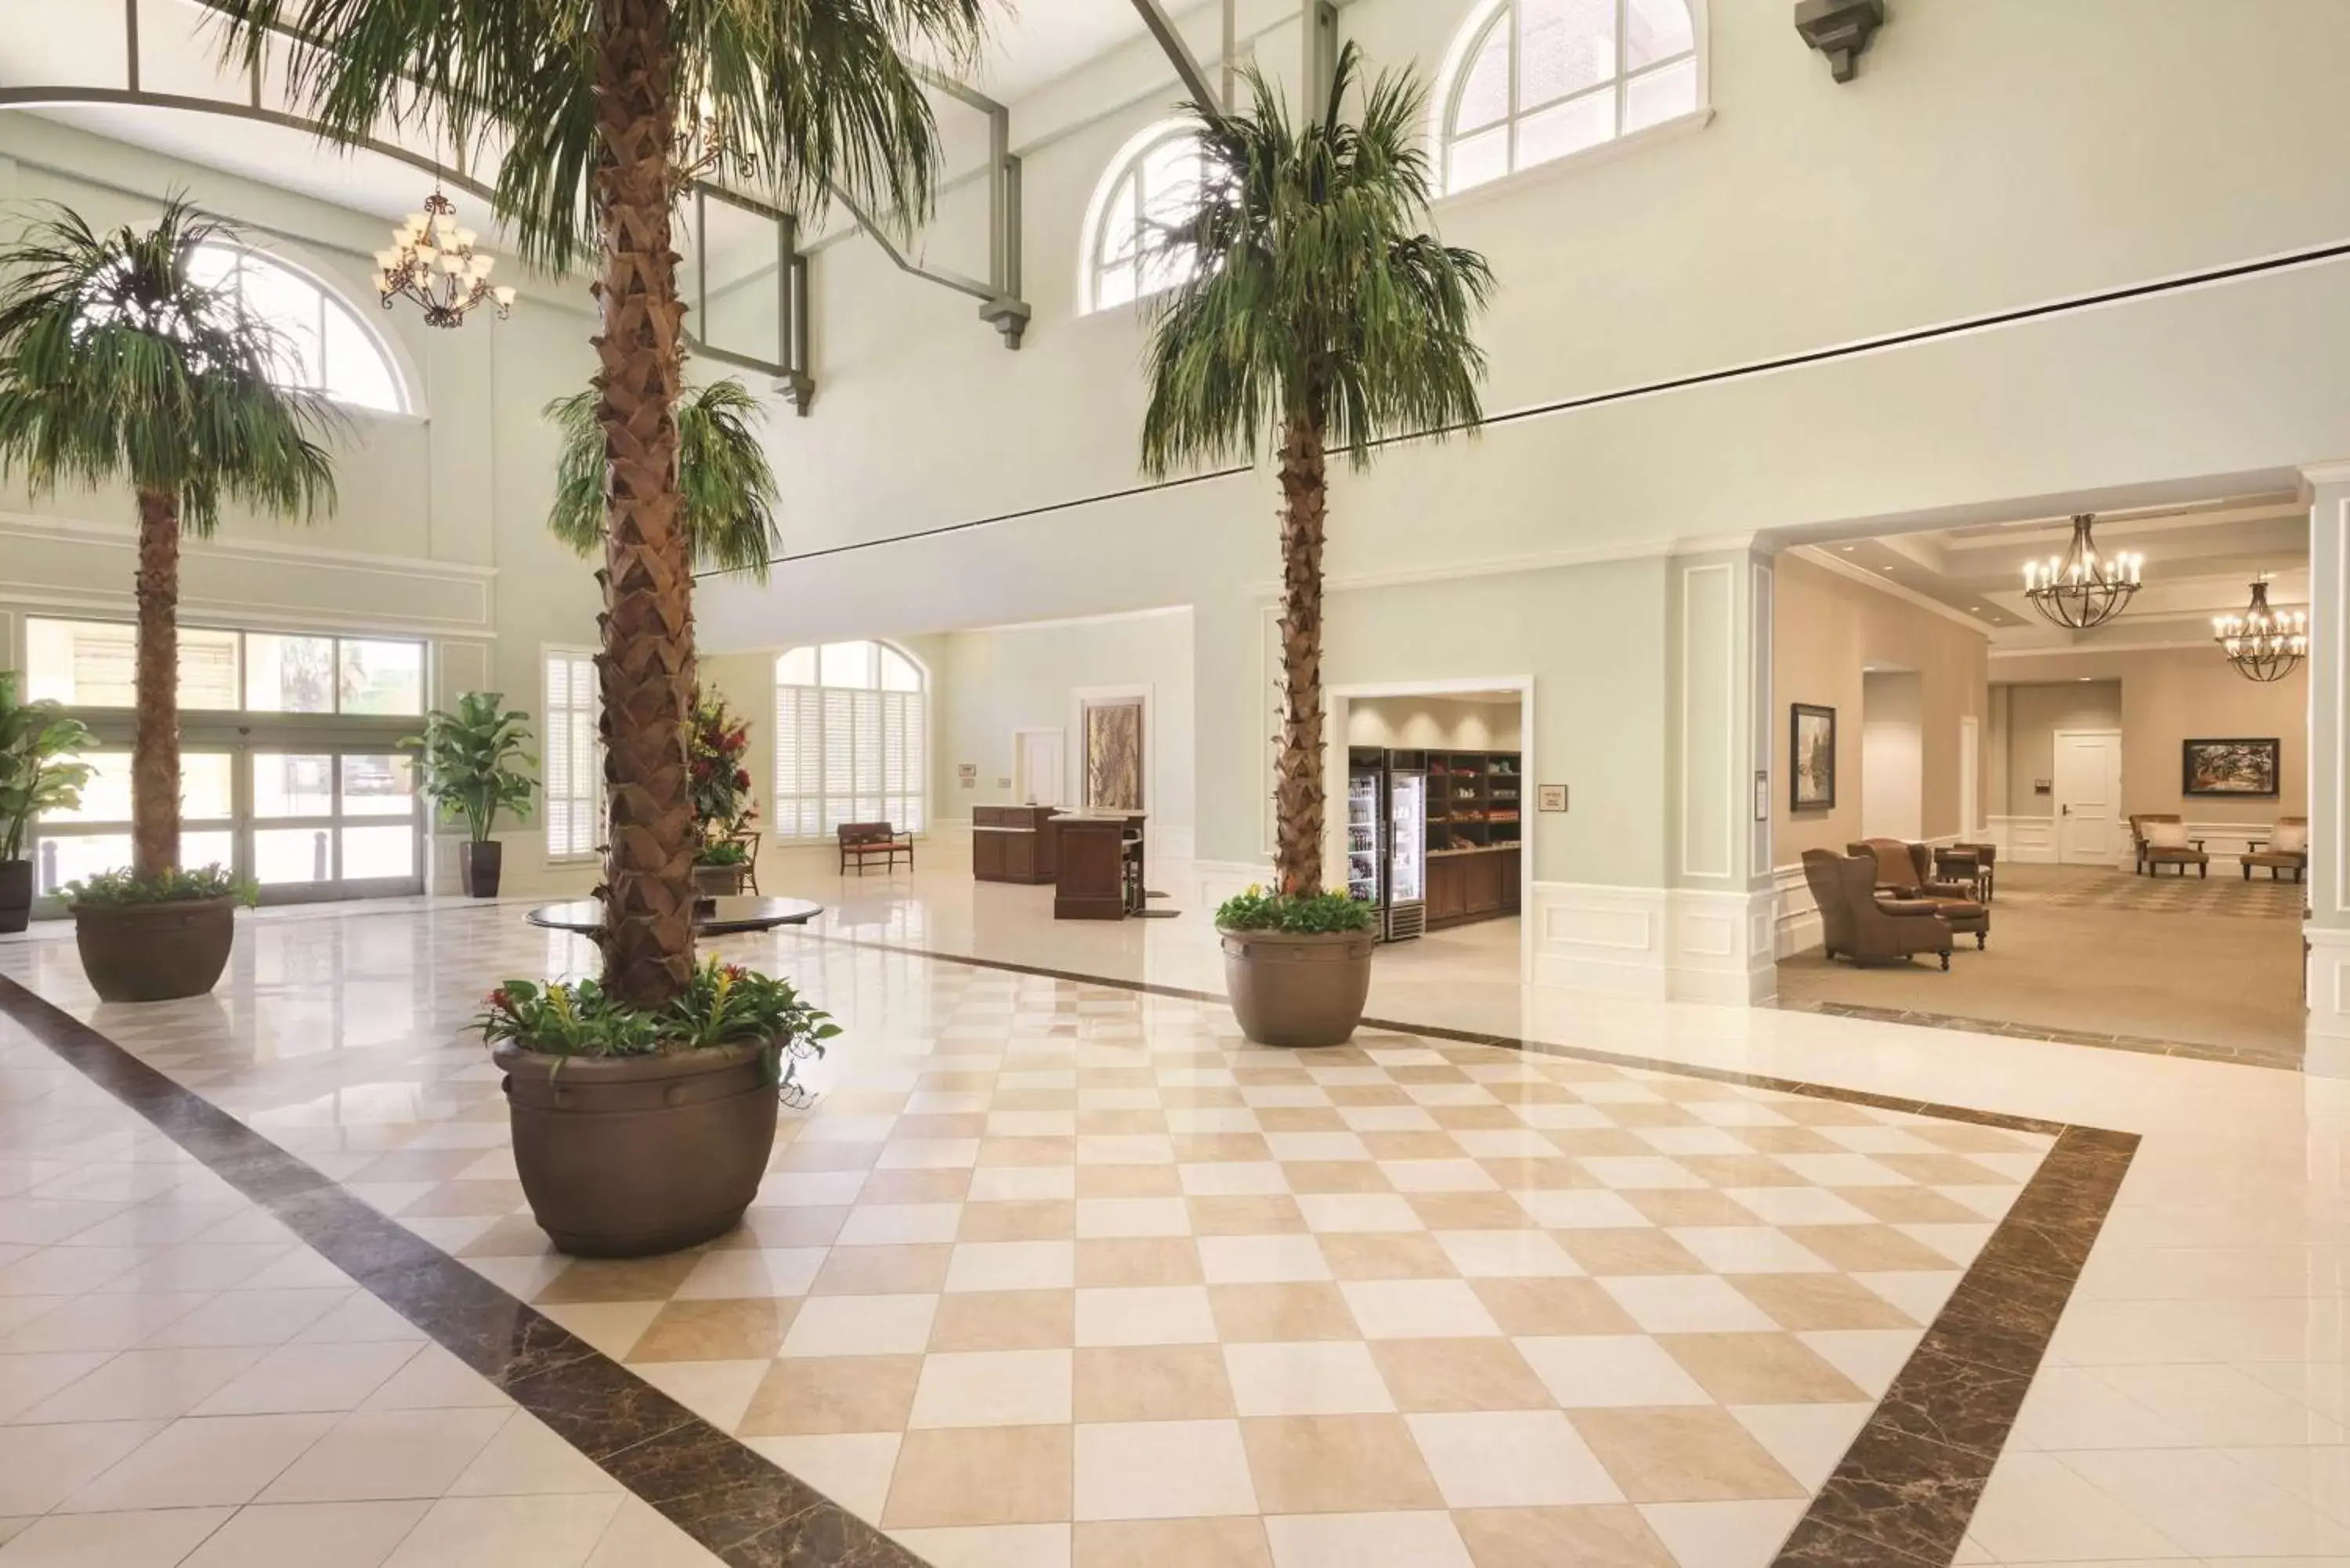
(2328, 929)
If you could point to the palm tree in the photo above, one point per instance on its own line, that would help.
(596, 99)
(727, 489)
(118, 361)
(1310, 305)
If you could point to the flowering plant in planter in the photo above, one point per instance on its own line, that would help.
(717, 748)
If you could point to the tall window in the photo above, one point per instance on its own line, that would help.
(571, 775)
(849, 742)
(87, 664)
(323, 346)
(1155, 182)
(1537, 79)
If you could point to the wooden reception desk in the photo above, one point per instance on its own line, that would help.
(1012, 844)
(1094, 850)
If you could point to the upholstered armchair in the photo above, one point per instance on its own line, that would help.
(1907, 871)
(1863, 927)
(2161, 840)
(2286, 849)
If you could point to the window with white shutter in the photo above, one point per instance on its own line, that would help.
(570, 767)
(849, 738)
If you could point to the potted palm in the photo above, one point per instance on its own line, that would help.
(811, 98)
(1311, 306)
(475, 764)
(38, 744)
(117, 362)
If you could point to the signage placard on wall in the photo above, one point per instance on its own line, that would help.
(1550, 798)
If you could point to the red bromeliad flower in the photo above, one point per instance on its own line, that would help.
(742, 778)
(500, 1001)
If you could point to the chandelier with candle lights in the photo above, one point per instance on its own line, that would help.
(433, 262)
(2082, 589)
(2263, 644)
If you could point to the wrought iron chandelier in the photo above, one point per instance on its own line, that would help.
(433, 262)
(2263, 644)
(2082, 589)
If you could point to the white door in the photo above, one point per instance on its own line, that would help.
(1036, 768)
(2088, 797)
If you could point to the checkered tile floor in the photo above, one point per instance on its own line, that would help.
(2225, 892)
(1058, 1274)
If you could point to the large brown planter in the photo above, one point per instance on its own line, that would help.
(478, 865)
(719, 881)
(16, 895)
(155, 952)
(627, 1157)
(1297, 990)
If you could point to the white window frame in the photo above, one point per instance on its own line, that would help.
(1461, 57)
(570, 852)
(329, 301)
(784, 819)
(1092, 264)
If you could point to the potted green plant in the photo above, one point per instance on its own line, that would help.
(605, 1099)
(1297, 968)
(1310, 305)
(39, 741)
(716, 749)
(475, 764)
(156, 938)
(119, 362)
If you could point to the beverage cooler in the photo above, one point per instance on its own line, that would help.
(1364, 783)
(1387, 840)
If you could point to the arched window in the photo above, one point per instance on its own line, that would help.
(324, 347)
(1153, 182)
(849, 738)
(1531, 80)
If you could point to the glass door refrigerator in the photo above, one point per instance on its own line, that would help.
(1407, 850)
(1366, 796)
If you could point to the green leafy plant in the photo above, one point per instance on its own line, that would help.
(1314, 308)
(474, 762)
(108, 888)
(121, 363)
(1314, 914)
(727, 490)
(726, 852)
(38, 741)
(815, 98)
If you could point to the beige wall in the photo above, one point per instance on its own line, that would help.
(2171, 695)
(1434, 723)
(2033, 715)
(1825, 628)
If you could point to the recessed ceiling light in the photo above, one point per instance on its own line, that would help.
(2088, 678)
(1848, 549)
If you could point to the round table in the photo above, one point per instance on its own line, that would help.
(725, 917)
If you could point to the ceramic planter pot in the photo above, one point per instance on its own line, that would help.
(718, 881)
(630, 1157)
(16, 895)
(1297, 990)
(478, 865)
(155, 952)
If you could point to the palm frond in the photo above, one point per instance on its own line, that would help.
(728, 487)
(117, 359)
(816, 95)
(1310, 290)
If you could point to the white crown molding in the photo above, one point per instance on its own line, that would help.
(2316, 473)
(1108, 617)
(1819, 556)
(1535, 561)
(124, 535)
(2091, 650)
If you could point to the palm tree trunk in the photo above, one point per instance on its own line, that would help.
(155, 746)
(646, 668)
(1297, 786)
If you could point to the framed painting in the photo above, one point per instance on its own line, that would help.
(1812, 758)
(2234, 769)
(1114, 756)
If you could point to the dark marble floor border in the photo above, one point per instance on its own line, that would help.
(2277, 1058)
(1901, 1497)
(745, 1510)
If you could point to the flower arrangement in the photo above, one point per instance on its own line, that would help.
(717, 747)
(1322, 914)
(724, 1005)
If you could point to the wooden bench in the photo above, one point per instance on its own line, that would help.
(864, 841)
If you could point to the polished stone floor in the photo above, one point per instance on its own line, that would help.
(1059, 1271)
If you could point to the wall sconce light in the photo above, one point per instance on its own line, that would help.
(1840, 29)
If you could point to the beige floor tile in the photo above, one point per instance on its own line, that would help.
(1232, 1260)
(144, 1385)
(1332, 1378)
(716, 1329)
(1152, 1383)
(1759, 1370)
(1275, 1214)
(895, 1182)
(980, 1475)
(883, 1270)
(1682, 1455)
(1004, 1320)
(434, 1379)
(639, 1537)
(41, 1465)
(1600, 1536)
(1417, 1309)
(1510, 1458)
(1685, 1303)
(1161, 1469)
(1507, 1255)
(1552, 1306)
(994, 1388)
(1010, 1266)
(1387, 1256)
(900, 1224)
(507, 1533)
(1866, 1249)
(388, 1454)
(1147, 1314)
(1323, 1176)
(1018, 1221)
(1337, 1464)
(527, 1458)
(989, 1546)
(1808, 1440)
(1171, 1543)
(1609, 1371)
(1486, 1373)
(1104, 1183)
(1137, 1263)
(621, 1280)
(861, 1325)
(308, 1377)
(1416, 1540)
(2035, 1509)
(201, 1461)
(310, 1535)
(161, 1539)
(746, 1273)
(853, 1468)
(1278, 1313)
(1805, 1301)
(826, 1394)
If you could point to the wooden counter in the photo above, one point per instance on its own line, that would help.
(1093, 850)
(1466, 885)
(1014, 844)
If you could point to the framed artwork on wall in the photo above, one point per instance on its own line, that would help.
(1114, 756)
(1812, 758)
(2238, 770)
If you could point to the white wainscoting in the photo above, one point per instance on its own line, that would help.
(2329, 1002)
(1679, 944)
(2024, 840)
(2032, 841)
(1794, 913)
(1217, 880)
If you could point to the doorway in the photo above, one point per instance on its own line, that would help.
(1036, 767)
(2088, 793)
